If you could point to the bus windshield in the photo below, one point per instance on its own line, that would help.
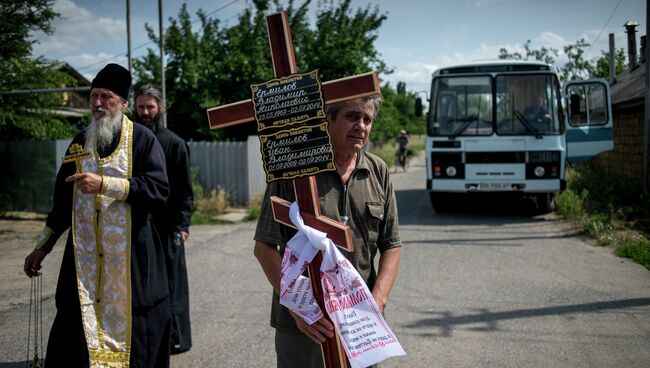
(462, 106)
(527, 105)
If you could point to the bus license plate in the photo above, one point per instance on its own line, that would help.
(495, 186)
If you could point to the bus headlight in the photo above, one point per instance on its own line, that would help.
(539, 171)
(451, 171)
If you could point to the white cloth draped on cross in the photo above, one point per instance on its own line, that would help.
(365, 335)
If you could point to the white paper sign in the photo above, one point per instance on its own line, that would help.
(359, 323)
(364, 333)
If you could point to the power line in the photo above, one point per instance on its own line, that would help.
(606, 23)
(149, 42)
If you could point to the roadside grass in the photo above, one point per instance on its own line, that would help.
(4, 231)
(199, 218)
(254, 208)
(611, 209)
(387, 151)
(207, 204)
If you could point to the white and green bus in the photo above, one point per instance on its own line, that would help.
(509, 126)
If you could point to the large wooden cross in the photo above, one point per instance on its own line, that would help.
(284, 64)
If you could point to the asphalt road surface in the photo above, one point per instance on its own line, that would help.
(490, 284)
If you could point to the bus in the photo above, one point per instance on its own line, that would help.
(510, 127)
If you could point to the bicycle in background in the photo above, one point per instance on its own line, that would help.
(401, 157)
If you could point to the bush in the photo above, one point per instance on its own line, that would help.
(597, 225)
(608, 203)
(206, 205)
(214, 203)
(635, 247)
(610, 193)
(570, 205)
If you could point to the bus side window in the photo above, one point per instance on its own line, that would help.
(588, 104)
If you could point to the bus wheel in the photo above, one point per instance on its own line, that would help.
(545, 202)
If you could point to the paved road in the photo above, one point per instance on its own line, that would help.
(489, 285)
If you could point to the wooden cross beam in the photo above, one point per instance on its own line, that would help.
(284, 64)
(77, 154)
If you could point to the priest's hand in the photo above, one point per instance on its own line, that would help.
(33, 262)
(319, 332)
(88, 183)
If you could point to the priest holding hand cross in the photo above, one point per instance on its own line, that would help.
(358, 193)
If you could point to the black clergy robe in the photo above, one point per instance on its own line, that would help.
(150, 308)
(172, 220)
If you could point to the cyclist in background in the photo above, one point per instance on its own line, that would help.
(403, 142)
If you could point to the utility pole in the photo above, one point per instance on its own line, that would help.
(162, 61)
(646, 123)
(128, 33)
(612, 60)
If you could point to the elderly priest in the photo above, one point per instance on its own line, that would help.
(112, 297)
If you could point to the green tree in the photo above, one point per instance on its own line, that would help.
(216, 65)
(601, 64)
(544, 54)
(343, 42)
(19, 18)
(396, 113)
(577, 67)
(27, 116)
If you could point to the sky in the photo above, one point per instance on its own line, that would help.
(416, 38)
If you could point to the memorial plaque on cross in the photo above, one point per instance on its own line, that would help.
(77, 154)
(284, 65)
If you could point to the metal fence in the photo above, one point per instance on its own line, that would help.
(28, 171)
(27, 174)
(235, 167)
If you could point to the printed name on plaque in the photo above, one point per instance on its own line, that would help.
(283, 101)
(290, 114)
(297, 152)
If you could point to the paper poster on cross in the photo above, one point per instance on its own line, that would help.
(296, 144)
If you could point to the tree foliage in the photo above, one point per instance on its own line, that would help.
(577, 67)
(215, 65)
(544, 54)
(19, 18)
(27, 116)
(601, 66)
(397, 113)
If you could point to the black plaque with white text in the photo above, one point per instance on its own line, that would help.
(283, 101)
(292, 128)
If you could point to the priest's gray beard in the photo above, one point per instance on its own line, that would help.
(103, 130)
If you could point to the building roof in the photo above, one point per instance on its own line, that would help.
(67, 68)
(629, 87)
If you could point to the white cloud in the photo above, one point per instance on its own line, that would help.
(77, 29)
(549, 39)
(417, 76)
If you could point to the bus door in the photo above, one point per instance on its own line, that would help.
(590, 128)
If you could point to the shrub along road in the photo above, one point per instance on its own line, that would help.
(488, 285)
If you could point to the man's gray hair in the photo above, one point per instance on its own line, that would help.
(333, 109)
(149, 90)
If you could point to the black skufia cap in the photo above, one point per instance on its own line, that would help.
(115, 78)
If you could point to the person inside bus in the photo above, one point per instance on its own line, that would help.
(537, 114)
